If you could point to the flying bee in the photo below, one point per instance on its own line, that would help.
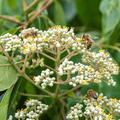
(88, 40)
(92, 94)
(30, 33)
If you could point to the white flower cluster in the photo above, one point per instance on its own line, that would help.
(79, 44)
(103, 63)
(34, 108)
(66, 67)
(75, 112)
(102, 108)
(83, 74)
(59, 36)
(10, 42)
(63, 36)
(32, 40)
(44, 79)
(21, 114)
(96, 111)
(112, 103)
(101, 68)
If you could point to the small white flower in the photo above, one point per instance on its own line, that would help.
(10, 117)
(45, 79)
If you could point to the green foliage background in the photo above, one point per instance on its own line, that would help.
(100, 18)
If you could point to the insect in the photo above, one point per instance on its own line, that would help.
(30, 33)
(88, 40)
(92, 94)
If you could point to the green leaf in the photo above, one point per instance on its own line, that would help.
(110, 10)
(114, 37)
(1, 1)
(30, 88)
(72, 94)
(10, 7)
(12, 31)
(8, 75)
(88, 12)
(111, 91)
(72, 101)
(12, 3)
(42, 24)
(59, 17)
(70, 11)
(4, 104)
(15, 97)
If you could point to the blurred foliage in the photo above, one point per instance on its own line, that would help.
(88, 12)
(100, 18)
(110, 10)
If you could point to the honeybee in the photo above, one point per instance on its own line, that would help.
(88, 40)
(92, 94)
(30, 33)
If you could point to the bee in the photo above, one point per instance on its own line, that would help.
(30, 33)
(92, 94)
(88, 40)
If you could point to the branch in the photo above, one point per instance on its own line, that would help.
(71, 90)
(26, 9)
(58, 77)
(50, 51)
(11, 19)
(44, 5)
(24, 65)
(61, 82)
(62, 110)
(49, 67)
(108, 46)
(24, 3)
(46, 55)
(31, 95)
(69, 56)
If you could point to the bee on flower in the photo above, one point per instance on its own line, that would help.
(92, 94)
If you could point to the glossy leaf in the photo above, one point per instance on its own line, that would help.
(8, 75)
(14, 98)
(59, 17)
(88, 12)
(110, 10)
(4, 104)
(70, 11)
